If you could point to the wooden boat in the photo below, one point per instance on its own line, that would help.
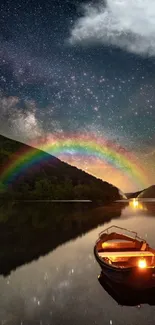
(125, 259)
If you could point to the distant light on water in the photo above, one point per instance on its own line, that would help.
(135, 203)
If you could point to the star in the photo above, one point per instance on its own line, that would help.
(79, 78)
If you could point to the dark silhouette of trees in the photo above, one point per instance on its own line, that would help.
(52, 179)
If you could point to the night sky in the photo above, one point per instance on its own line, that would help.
(70, 67)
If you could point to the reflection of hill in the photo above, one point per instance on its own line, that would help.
(125, 296)
(32, 230)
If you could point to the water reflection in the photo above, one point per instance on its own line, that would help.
(28, 231)
(61, 286)
(143, 205)
(124, 295)
(136, 204)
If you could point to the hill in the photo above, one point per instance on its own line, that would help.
(148, 193)
(133, 195)
(52, 178)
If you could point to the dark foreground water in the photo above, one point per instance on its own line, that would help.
(48, 271)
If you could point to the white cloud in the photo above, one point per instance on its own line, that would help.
(127, 24)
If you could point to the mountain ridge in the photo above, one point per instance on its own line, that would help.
(53, 178)
(148, 192)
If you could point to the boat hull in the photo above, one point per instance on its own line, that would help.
(132, 277)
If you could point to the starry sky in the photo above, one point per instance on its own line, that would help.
(70, 67)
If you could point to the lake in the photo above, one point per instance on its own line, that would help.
(48, 271)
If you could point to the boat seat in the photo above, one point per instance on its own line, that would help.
(125, 254)
(121, 245)
(117, 249)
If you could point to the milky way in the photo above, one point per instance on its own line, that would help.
(70, 66)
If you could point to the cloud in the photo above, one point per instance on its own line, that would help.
(129, 25)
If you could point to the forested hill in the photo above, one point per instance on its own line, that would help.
(52, 179)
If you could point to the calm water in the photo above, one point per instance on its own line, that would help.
(48, 271)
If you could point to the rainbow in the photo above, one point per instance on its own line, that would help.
(81, 145)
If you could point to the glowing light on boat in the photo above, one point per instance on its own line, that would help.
(142, 264)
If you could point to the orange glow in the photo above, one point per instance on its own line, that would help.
(134, 204)
(142, 264)
(105, 245)
(137, 205)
